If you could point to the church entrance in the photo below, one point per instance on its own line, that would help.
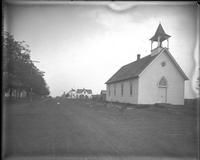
(162, 90)
(162, 97)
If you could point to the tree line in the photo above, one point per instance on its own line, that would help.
(19, 72)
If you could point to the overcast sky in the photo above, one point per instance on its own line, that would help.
(83, 45)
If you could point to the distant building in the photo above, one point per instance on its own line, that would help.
(103, 95)
(84, 93)
(71, 94)
(156, 78)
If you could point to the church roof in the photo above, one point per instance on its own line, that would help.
(131, 70)
(160, 32)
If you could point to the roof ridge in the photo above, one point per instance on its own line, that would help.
(137, 60)
(132, 70)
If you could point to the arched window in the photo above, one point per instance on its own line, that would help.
(162, 82)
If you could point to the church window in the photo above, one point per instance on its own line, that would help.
(163, 82)
(163, 63)
(131, 88)
(122, 89)
(114, 89)
(109, 90)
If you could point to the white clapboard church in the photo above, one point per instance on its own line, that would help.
(156, 78)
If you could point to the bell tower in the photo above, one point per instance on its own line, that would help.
(159, 37)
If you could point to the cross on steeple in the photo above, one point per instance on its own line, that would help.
(160, 36)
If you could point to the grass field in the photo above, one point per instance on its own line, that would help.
(74, 128)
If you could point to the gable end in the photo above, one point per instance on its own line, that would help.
(165, 50)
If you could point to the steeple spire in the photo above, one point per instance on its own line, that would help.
(159, 36)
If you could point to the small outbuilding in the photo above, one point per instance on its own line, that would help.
(103, 95)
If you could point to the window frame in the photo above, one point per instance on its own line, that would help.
(115, 89)
(131, 88)
(109, 90)
(122, 89)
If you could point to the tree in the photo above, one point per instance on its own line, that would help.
(19, 73)
(11, 57)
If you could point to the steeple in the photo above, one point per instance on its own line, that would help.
(159, 37)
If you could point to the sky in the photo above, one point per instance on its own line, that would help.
(81, 45)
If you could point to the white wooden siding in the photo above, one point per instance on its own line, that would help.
(148, 82)
(126, 98)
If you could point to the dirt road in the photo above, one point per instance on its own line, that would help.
(80, 128)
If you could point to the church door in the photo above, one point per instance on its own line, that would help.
(162, 90)
(162, 95)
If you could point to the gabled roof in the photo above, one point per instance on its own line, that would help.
(131, 70)
(72, 90)
(134, 69)
(89, 91)
(79, 90)
(160, 32)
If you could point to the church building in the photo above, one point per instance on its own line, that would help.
(156, 78)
